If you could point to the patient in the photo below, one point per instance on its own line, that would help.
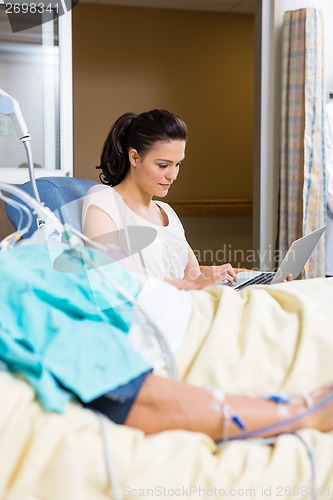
(66, 327)
(141, 158)
(73, 328)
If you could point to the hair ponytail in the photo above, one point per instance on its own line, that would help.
(114, 158)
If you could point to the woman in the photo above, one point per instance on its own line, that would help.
(141, 158)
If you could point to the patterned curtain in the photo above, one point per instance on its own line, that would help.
(302, 188)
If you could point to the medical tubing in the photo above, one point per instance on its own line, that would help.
(21, 208)
(67, 229)
(45, 213)
(38, 207)
(27, 147)
(312, 464)
(107, 455)
(281, 423)
(219, 404)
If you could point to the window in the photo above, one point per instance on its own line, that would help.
(35, 69)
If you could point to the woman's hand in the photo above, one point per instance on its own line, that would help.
(213, 275)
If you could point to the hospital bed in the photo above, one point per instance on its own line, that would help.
(231, 341)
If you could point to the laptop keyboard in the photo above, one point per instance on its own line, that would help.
(259, 279)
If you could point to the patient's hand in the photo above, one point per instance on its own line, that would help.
(322, 418)
(289, 278)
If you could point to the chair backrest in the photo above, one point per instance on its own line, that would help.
(62, 195)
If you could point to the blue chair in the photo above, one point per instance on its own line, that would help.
(62, 195)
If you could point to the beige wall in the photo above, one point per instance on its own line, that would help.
(197, 64)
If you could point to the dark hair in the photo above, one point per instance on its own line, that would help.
(139, 132)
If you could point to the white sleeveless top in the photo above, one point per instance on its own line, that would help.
(164, 249)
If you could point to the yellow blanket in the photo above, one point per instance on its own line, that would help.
(262, 338)
(277, 337)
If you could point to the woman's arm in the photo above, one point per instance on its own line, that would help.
(99, 226)
(164, 404)
(194, 279)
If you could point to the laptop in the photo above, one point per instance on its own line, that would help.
(293, 263)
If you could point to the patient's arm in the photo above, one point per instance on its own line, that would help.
(164, 404)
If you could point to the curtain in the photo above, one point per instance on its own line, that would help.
(302, 183)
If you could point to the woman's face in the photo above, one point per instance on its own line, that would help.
(158, 168)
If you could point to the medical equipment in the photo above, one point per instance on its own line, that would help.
(282, 399)
(116, 495)
(10, 107)
(11, 239)
(286, 421)
(219, 404)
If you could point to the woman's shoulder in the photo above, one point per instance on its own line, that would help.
(99, 192)
(100, 195)
(166, 207)
(96, 188)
